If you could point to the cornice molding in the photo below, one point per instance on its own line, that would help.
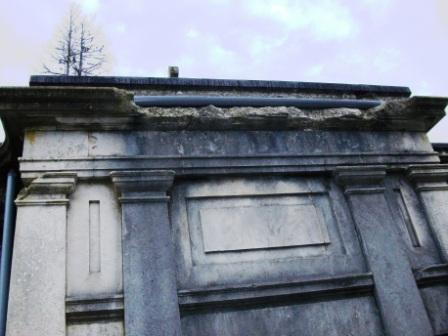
(48, 189)
(428, 173)
(143, 186)
(361, 179)
(429, 177)
(99, 108)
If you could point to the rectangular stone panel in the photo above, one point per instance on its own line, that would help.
(412, 223)
(94, 237)
(261, 225)
(94, 261)
(237, 230)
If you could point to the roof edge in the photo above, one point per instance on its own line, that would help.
(221, 84)
(102, 108)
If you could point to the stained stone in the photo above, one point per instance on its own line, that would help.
(272, 220)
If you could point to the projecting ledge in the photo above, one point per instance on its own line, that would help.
(48, 189)
(142, 186)
(93, 309)
(84, 108)
(350, 284)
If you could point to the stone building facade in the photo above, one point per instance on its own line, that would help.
(325, 213)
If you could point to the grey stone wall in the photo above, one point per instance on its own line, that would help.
(130, 226)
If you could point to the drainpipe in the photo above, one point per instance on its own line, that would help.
(231, 101)
(5, 261)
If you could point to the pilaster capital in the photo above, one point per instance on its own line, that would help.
(48, 189)
(360, 179)
(143, 185)
(429, 177)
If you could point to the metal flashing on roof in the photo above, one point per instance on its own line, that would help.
(219, 84)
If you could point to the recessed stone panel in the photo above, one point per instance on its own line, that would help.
(254, 230)
(262, 224)
(94, 265)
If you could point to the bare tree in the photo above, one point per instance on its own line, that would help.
(89, 57)
(76, 52)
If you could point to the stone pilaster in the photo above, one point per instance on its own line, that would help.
(149, 272)
(395, 288)
(38, 276)
(431, 184)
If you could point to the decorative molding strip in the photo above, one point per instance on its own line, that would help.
(305, 192)
(53, 183)
(142, 181)
(228, 157)
(84, 108)
(361, 179)
(432, 188)
(361, 190)
(275, 292)
(360, 175)
(61, 201)
(49, 189)
(144, 186)
(80, 310)
(101, 167)
(147, 199)
(431, 177)
(433, 274)
(428, 173)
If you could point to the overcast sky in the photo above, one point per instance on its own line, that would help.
(388, 42)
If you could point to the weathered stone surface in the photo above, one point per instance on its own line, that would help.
(38, 273)
(38, 276)
(329, 249)
(356, 316)
(413, 114)
(234, 220)
(113, 328)
(432, 184)
(150, 292)
(186, 144)
(102, 108)
(436, 301)
(94, 261)
(395, 288)
(249, 224)
(60, 100)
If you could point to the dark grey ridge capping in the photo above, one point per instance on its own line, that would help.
(220, 84)
(198, 101)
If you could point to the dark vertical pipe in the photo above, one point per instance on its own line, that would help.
(5, 261)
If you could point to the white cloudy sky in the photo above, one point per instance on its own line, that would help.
(390, 42)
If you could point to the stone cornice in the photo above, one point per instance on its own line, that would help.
(412, 114)
(48, 189)
(143, 186)
(84, 108)
(429, 177)
(361, 179)
(428, 173)
(65, 101)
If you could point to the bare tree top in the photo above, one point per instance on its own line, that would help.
(77, 51)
